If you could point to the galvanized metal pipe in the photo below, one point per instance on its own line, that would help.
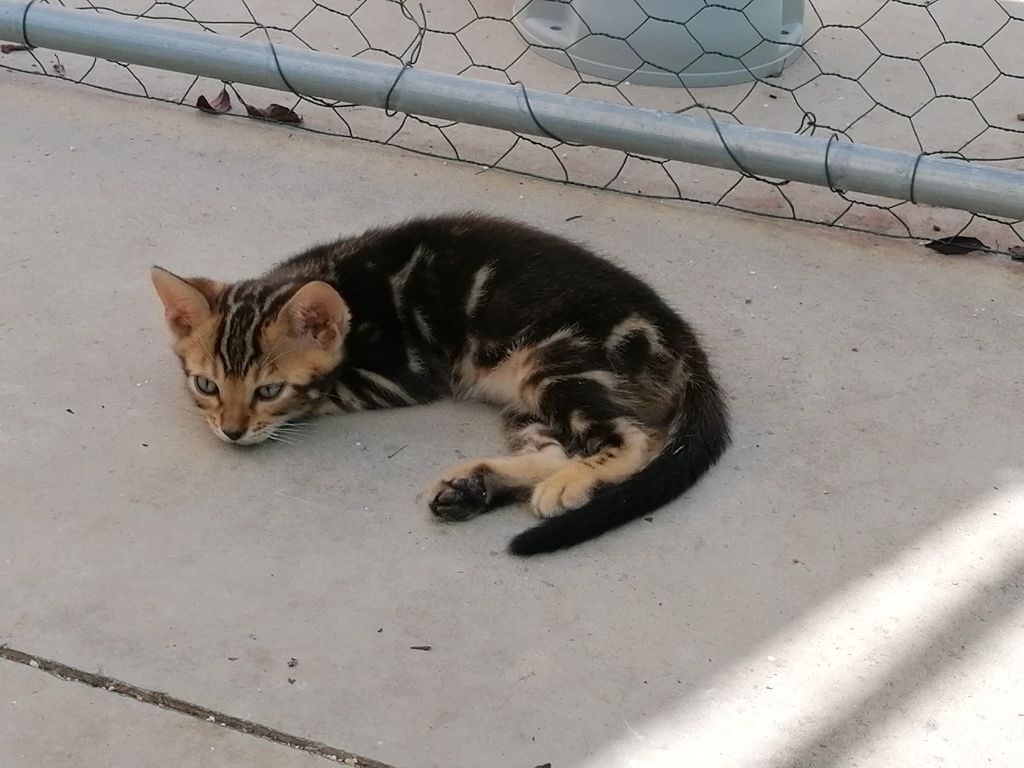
(775, 154)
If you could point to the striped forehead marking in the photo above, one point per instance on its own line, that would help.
(245, 310)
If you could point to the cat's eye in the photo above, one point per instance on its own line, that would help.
(268, 391)
(205, 386)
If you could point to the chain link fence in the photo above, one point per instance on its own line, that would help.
(927, 76)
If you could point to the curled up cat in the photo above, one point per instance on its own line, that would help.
(607, 398)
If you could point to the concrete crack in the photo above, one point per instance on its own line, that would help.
(164, 701)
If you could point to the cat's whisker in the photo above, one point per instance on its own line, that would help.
(280, 439)
(286, 430)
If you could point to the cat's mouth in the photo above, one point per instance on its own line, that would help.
(244, 440)
(241, 437)
(278, 433)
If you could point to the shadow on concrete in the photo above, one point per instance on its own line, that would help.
(957, 642)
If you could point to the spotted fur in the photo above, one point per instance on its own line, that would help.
(609, 403)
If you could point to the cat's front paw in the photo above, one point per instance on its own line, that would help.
(461, 497)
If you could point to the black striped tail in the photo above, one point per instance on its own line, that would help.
(700, 436)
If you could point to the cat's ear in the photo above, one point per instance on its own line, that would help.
(316, 313)
(186, 302)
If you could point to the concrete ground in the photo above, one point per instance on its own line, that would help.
(844, 588)
(47, 722)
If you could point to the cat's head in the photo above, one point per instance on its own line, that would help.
(253, 352)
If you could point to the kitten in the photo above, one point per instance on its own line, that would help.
(608, 400)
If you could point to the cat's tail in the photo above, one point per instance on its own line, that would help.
(698, 437)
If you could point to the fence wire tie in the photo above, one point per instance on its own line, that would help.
(732, 155)
(388, 111)
(277, 64)
(533, 116)
(414, 49)
(828, 169)
(24, 23)
(284, 79)
(808, 124)
(913, 178)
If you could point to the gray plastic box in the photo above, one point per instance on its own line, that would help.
(666, 42)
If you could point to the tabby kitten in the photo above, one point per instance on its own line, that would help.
(608, 400)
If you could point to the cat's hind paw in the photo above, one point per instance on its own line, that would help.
(567, 489)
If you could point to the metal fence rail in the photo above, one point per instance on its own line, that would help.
(661, 139)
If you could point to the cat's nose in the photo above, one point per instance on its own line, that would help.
(233, 434)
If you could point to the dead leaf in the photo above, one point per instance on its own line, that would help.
(58, 68)
(274, 112)
(1016, 252)
(220, 105)
(12, 47)
(956, 246)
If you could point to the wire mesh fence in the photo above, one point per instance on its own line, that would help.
(939, 77)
